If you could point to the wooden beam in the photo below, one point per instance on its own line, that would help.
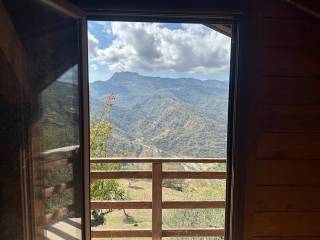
(162, 160)
(194, 175)
(119, 174)
(120, 233)
(195, 232)
(12, 48)
(221, 28)
(120, 205)
(192, 204)
(156, 201)
(66, 7)
(304, 8)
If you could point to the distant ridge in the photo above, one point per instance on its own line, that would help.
(157, 116)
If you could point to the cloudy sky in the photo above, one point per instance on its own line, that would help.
(157, 49)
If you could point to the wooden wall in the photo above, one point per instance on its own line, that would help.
(282, 193)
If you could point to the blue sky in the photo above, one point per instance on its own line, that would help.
(157, 49)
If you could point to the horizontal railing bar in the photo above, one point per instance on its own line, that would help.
(120, 174)
(148, 205)
(153, 160)
(194, 175)
(195, 232)
(117, 233)
(192, 204)
(121, 205)
(55, 164)
(50, 191)
(148, 174)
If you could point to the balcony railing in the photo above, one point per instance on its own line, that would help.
(157, 204)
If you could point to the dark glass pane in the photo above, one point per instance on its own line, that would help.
(50, 41)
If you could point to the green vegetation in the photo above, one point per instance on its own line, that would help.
(104, 189)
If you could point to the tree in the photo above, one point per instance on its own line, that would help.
(105, 189)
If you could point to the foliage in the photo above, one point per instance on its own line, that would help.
(100, 131)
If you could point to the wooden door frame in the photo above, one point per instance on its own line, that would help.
(235, 160)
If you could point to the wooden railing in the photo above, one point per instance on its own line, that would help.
(49, 192)
(157, 204)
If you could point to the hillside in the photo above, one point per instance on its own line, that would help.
(154, 116)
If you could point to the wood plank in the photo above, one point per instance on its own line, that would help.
(289, 90)
(117, 233)
(296, 33)
(148, 205)
(287, 172)
(279, 10)
(290, 62)
(195, 232)
(50, 191)
(290, 118)
(152, 160)
(156, 201)
(298, 224)
(192, 204)
(119, 174)
(282, 198)
(285, 238)
(288, 146)
(195, 175)
(121, 204)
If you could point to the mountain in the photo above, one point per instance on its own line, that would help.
(155, 116)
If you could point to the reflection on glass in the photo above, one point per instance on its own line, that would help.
(50, 40)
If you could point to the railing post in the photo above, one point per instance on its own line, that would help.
(156, 201)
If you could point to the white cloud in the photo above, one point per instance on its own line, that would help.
(94, 66)
(152, 46)
(93, 46)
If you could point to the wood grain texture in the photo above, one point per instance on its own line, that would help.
(287, 172)
(155, 160)
(119, 174)
(117, 233)
(192, 204)
(293, 33)
(293, 118)
(289, 146)
(195, 232)
(120, 205)
(290, 62)
(195, 175)
(156, 201)
(288, 90)
(287, 199)
(298, 224)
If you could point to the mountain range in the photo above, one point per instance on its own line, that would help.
(167, 117)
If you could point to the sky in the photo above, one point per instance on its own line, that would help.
(157, 49)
